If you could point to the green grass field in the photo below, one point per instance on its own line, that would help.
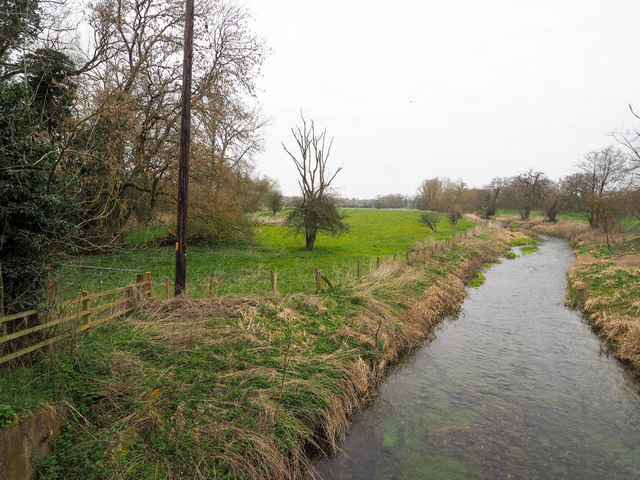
(246, 270)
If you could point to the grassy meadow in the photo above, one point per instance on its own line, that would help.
(245, 269)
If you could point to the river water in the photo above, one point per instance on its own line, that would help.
(517, 387)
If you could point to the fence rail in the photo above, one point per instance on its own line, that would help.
(67, 318)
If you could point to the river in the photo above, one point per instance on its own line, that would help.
(516, 387)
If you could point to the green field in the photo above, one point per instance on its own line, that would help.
(246, 270)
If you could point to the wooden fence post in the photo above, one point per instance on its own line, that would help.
(377, 262)
(358, 268)
(166, 286)
(274, 282)
(211, 280)
(318, 275)
(148, 275)
(84, 318)
(408, 258)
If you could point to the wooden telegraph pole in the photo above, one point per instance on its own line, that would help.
(185, 139)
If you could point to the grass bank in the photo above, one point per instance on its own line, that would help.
(244, 387)
(604, 283)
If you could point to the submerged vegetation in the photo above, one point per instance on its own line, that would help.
(239, 387)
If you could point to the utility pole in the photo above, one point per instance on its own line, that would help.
(185, 139)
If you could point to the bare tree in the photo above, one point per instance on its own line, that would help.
(604, 175)
(492, 192)
(528, 190)
(317, 209)
(428, 193)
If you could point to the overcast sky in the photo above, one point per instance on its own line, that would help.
(468, 89)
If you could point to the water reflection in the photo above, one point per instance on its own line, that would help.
(516, 387)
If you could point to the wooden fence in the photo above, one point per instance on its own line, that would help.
(19, 331)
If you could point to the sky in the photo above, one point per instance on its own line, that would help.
(469, 89)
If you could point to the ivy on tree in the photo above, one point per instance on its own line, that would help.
(34, 204)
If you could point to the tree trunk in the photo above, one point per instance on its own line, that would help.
(310, 238)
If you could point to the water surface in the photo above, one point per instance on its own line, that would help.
(517, 387)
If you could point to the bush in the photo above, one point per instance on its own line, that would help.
(430, 220)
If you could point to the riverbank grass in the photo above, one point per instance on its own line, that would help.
(238, 388)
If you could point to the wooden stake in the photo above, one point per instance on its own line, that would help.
(84, 318)
(407, 258)
(166, 286)
(377, 262)
(2, 300)
(318, 276)
(211, 281)
(274, 282)
(51, 288)
(358, 268)
(148, 275)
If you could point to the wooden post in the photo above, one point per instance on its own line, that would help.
(166, 286)
(2, 299)
(377, 262)
(3, 332)
(185, 142)
(211, 281)
(148, 275)
(358, 268)
(274, 282)
(394, 258)
(318, 275)
(407, 258)
(51, 288)
(84, 318)
(139, 278)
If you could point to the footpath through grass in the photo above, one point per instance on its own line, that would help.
(246, 269)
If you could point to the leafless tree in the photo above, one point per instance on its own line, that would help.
(604, 175)
(317, 209)
(492, 192)
(428, 193)
(528, 190)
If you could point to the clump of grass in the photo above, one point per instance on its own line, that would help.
(521, 241)
(527, 249)
(510, 255)
(477, 280)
